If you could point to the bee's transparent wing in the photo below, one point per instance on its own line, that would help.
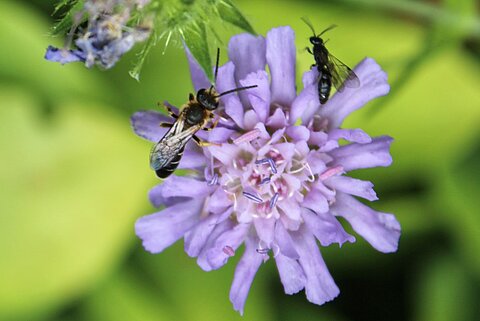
(342, 75)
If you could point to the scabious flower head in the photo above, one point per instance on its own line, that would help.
(277, 182)
(106, 37)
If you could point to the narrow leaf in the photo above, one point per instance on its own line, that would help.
(229, 13)
(195, 37)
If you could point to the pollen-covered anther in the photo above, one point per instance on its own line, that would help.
(228, 250)
(332, 171)
(247, 137)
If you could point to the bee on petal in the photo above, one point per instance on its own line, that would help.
(195, 115)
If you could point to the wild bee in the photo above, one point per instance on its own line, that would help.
(195, 115)
(331, 70)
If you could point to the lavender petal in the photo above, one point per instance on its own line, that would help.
(281, 62)
(146, 124)
(245, 272)
(232, 103)
(381, 230)
(319, 287)
(356, 156)
(352, 186)
(291, 274)
(326, 228)
(160, 230)
(373, 84)
(233, 238)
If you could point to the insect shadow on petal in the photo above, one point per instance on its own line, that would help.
(194, 115)
(331, 70)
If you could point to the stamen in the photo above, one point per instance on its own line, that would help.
(331, 172)
(253, 197)
(273, 200)
(262, 251)
(228, 250)
(268, 161)
(247, 137)
(272, 166)
(264, 181)
(213, 181)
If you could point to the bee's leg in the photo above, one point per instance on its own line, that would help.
(191, 97)
(309, 50)
(203, 143)
(214, 124)
(167, 125)
(169, 110)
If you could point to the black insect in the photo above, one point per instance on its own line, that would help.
(331, 70)
(195, 115)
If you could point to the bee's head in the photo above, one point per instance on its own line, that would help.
(314, 40)
(208, 98)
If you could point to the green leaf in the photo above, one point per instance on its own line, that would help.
(229, 13)
(195, 37)
(64, 25)
(151, 42)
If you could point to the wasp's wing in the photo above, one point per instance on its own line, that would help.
(342, 75)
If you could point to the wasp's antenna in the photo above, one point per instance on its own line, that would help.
(329, 28)
(309, 24)
(216, 65)
(236, 89)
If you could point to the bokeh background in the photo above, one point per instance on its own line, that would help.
(74, 177)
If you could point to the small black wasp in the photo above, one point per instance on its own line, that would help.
(195, 115)
(331, 70)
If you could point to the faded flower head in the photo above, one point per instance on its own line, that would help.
(107, 35)
(277, 182)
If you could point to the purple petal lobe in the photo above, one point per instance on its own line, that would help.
(326, 228)
(298, 133)
(305, 105)
(245, 272)
(265, 229)
(319, 287)
(182, 186)
(277, 120)
(146, 124)
(316, 201)
(218, 230)
(192, 157)
(291, 274)
(218, 201)
(373, 84)
(247, 53)
(356, 156)
(160, 230)
(284, 241)
(352, 186)
(220, 135)
(196, 238)
(63, 56)
(216, 257)
(352, 135)
(281, 62)
(232, 103)
(259, 97)
(381, 230)
(199, 79)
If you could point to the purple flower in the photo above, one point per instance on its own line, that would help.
(107, 37)
(277, 182)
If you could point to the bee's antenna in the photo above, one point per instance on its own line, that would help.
(216, 66)
(329, 28)
(309, 24)
(236, 89)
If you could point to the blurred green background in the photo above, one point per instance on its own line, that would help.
(74, 177)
